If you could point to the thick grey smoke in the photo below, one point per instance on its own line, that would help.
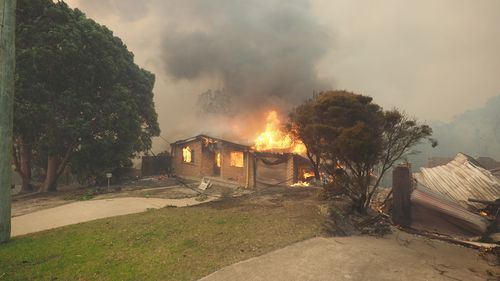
(254, 49)
(261, 54)
(251, 48)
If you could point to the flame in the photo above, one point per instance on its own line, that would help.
(187, 154)
(217, 160)
(308, 175)
(301, 184)
(236, 159)
(273, 138)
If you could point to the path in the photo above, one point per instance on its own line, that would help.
(83, 211)
(399, 257)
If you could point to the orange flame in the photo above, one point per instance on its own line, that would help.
(308, 175)
(273, 138)
(301, 184)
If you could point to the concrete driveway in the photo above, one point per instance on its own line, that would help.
(399, 257)
(83, 211)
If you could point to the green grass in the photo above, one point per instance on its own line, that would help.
(165, 244)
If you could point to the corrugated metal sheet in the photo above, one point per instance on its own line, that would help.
(433, 212)
(461, 179)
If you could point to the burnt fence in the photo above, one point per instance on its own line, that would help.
(156, 165)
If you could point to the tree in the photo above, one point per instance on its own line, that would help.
(308, 129)
(81, 100)
(7, 66)
(350, 137)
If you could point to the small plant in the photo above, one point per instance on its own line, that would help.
(86, 197)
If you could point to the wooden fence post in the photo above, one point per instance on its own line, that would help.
(7, 65)
(401, 192)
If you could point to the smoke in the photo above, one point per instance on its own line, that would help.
(433, 59)
(128, 10)
(259, 52)
(474, 132)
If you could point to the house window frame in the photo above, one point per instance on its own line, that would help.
(191, 151)
(232, 163)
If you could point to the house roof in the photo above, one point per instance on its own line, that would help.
(461, 179)
(206, 137)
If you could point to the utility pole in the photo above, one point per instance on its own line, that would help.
(7, 66)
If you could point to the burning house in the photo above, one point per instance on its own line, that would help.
(204, 156)
(274, 159)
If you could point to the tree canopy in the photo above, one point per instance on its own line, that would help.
(80, 97)
(353, 141)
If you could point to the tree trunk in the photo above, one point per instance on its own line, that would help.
(50, 183)
(7, 66)
(315, 165)
(317, 176)
(55, 168)
(360, 204)
(26, 155)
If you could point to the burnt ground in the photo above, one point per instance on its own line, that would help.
(168, 188)
(272, 197)
(158, 187)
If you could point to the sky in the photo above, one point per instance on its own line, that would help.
(432, 59)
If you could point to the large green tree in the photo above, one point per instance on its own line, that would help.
(81, 98)
(353, 141)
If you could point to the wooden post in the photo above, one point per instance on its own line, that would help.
(401, 192)
(7, 66)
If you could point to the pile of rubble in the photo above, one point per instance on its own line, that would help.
(344, 221)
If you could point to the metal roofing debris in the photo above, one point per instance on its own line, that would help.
(461, 179)
(433, 212)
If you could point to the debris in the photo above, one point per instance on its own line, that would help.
(434, 212)
(345, 222)
(461, 179)
(204, 184)
(201, 198)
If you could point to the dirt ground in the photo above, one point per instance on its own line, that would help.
(42, 211)
(166, 188)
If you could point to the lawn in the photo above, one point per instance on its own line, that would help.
(165, 244)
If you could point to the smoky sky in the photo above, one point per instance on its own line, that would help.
(128, 10)
(264, 54)
(433, 59)
(269, 49)
(255, 50)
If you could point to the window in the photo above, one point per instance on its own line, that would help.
(187, 155)
(217, 160)
(236, 159)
